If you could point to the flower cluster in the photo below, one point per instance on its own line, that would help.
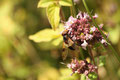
(81, 67)
(81, 30)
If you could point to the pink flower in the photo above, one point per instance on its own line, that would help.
(70, 21)
(88, 36)
(69, 66)
(84, 45)
(103, 41)
(82, 15)
(95, 16)
(92, 29)
(82, 31)
(82, 67)
(101, 25)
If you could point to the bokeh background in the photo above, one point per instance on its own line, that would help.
(23, 59)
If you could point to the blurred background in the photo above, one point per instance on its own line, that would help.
(23, 59)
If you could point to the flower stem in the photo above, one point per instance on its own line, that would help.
(81, 53)
(89, 50)
(91, 54)
(62, 15)
(110, 46)
(73, 9)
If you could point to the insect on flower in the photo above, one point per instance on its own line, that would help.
(68, 42)
(80, 31)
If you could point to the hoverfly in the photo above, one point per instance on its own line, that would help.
(67, 42)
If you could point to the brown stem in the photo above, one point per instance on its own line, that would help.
(91, 54)
(62, 15)
(71, 11)
(90, 51)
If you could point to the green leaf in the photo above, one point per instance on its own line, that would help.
(57, 41)
(83, 77)
(102, 60)
(45, 35)
(48, 35)
(48, 46)
(92, 76)
(66, 74)
(45, 3)
(65, 2)
(53, 15)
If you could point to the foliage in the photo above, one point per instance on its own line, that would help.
(48, 35)
(23, 59)
(53, 10)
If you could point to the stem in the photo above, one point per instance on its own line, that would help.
(81, 53)
(90, 51)
(73, 9)
(62, 15)
(104, 36)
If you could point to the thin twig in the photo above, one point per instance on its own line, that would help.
(73, 9)
(91, 54)
(62, 14)
(81, 53)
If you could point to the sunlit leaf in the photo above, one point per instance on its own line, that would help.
(83, 77)
(57, 41)
(48, 38)
(53, 15)
(47, 46)
(65, 2)
(45, 35)
(45, 3)
(66, 75)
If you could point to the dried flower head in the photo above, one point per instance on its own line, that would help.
(81, 67)
(81, 30)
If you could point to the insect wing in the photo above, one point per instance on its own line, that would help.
(64, 52)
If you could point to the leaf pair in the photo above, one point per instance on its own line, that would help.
(53, 10)
(46, 3)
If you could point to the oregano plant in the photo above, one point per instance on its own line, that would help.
(78, 34)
